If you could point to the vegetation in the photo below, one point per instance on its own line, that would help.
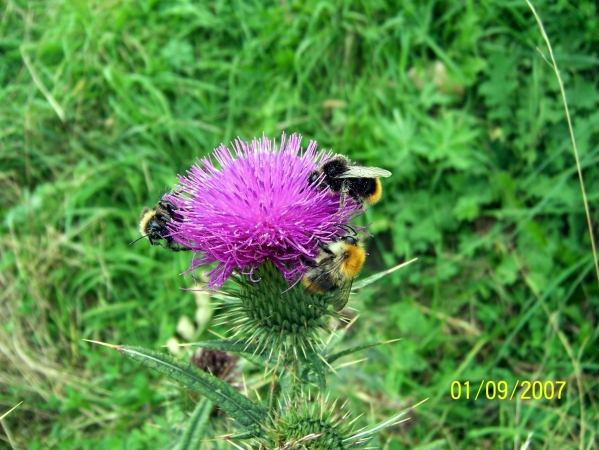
(102, 104)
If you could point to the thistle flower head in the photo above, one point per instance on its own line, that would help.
(257, 206)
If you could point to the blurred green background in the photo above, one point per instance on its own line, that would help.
(103, 103)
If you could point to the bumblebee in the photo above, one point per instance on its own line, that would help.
(360, 183)
(152, 224)
(334, 269)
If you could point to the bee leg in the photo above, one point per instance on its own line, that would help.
(348, 228)
(175, 246)
(344, 192)
(160, 244)
(324, 248)
(153, 242)
(168, 241)
(179, 248)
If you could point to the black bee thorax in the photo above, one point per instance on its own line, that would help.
(334, 168)
(334, 184)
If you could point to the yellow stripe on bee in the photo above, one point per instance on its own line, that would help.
(353, 261)
(376, 195)
(146, 215)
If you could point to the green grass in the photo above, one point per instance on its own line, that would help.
(102, 104)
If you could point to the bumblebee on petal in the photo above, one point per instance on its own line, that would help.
(334, 269)
(152, 224)
(267, 201)
(359, 182)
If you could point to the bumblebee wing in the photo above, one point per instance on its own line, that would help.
(364, 172)
(341, 296)
(328, 270)
(319, 284)
(341, 292)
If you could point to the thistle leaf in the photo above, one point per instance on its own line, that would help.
(335, 356)
(378, 276)
(194, 433)
(318, 367)
(222, 394)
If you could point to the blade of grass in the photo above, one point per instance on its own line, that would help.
(580, 178)
(10, 410)
(571, 129)
(5, 428)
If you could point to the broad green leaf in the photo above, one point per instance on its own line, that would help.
(194, 433)
(224, 395)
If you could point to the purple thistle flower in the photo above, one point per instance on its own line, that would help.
(258, 206)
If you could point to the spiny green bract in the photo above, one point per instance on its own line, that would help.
(311, 433)
(308, 424)
(277, 319)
